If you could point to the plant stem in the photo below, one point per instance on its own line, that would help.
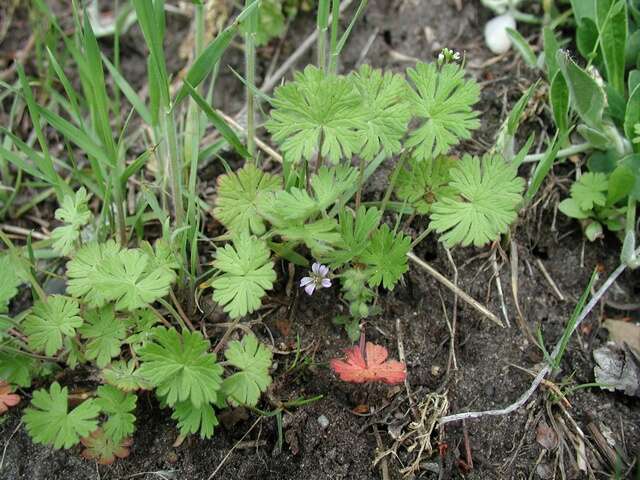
(193, 133)
(250, 73)
(335, 24)
(392, 182)
(360, 184)
(175, 168)
(323, 25)
(565, 152)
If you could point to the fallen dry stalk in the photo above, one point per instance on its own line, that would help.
(455, 289)
(547, 369)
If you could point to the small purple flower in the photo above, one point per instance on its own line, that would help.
(318, 278)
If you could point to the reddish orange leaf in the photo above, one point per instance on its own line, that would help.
(101, 448)
(7, 399)
(375, 368)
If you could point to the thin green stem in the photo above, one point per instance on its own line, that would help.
(323, 26)
(565, 152)
(335, 25)
(250, 73)
(360, 183)
(175, 167)
(392, 182)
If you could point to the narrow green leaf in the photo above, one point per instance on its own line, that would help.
(612, 25)
(75, 135)
(217, 121)
(632, 117)
(128, 91)
(551, 46)
(587, 97)
(544, 166)
(621, 182)
(523, 47)
(559, 99)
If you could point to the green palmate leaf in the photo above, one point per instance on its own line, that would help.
(240, 195)
(9, 282)
(124, 376)
(386, 257)
(247, 273)
(16, 369)
(142, 323)
(320, 236)
(590, 190)
(422, 183)
(329, 184)
(75, 213)
(444, 99)
(192, 419)
(132, 278)
(316, 108)
(82, 271)
(180, 367)
(49, 322)
(387, 112)
(105, 334)
(296, 205)
(49, 421)
(483, 202)
(355, 232)
(118, 406)
(293, 205)
(253, 360)
(570, 208)
(127, 279)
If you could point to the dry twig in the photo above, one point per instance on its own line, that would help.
(458, 291)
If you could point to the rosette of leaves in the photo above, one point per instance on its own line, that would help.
(442, 99)
(420, 184)
(481, 204)
(593, 202)
(317, 110)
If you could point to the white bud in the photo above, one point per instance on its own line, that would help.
(495, 33)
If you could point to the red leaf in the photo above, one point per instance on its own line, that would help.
(375, 368)
(7, 399)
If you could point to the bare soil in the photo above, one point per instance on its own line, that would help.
(391, 34)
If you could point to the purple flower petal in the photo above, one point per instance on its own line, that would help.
(324, 270)
(315, 268)
(310, 288)
(305, 281)
(326, 283)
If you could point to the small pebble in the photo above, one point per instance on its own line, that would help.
(323, 422)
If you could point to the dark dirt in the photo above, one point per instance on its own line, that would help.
(487, 356)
